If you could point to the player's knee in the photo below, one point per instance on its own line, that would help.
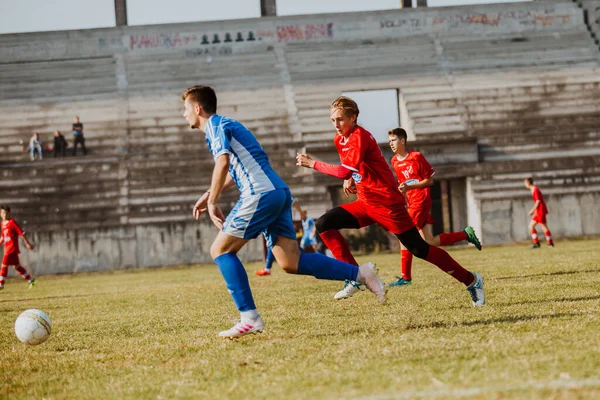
(322, 224)
(414, 243)
(216, 250)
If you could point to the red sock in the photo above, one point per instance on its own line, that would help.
(451, 238)
(3, 273)
(407, 258)
(447, 264)
(334, 240)
(534, 237)
(23, 272)
(549, 238)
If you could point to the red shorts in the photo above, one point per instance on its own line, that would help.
(11, 259)
(393, 218)
(420, 217)
(539, 218)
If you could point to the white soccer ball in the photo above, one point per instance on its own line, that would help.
(33, 327)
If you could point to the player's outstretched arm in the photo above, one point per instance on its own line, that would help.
(337, 171)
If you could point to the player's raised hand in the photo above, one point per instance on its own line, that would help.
(216, 215)
(349, 187)
(200, 205)
(303, 160)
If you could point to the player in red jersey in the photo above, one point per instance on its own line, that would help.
(415, 177)
(10, 237)
(366, 173)
(538, 215)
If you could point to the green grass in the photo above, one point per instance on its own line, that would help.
(153, 333)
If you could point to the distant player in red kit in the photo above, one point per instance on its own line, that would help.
(538, 215)
(10, 237)
(366, 172)
(415, 177)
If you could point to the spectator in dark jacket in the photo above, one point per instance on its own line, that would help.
(78, 136)
(60, 144)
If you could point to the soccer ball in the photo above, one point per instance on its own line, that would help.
(33, 327)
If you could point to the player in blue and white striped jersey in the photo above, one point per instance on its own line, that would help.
(263, 207)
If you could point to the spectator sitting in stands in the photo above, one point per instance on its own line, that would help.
(78, 136)
(35, 144)
(60, 144)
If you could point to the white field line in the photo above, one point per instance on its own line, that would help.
(444, 393)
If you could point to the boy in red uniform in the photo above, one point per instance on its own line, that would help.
(10, 237)
(538, 215)
(415, 177)
(366, 172)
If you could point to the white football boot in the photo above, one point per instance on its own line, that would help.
(369, 274)
(242, 328)
(350, 287)
(476, 291)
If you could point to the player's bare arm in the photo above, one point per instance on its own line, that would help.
(535, 206)
(28, 244)
(220, 173)
(403, 187)
(200, 206)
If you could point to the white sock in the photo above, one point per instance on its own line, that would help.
(359, 278)
(248, 315)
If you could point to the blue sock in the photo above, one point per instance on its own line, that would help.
(270, 259)
(236, 279)
(323, 267)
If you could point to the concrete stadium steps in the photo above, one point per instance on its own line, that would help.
(63, 78)
(380, 57)
(473, 53)
(249, 69)
(511, 103)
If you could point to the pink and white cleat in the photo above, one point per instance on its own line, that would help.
(370, 277)
(242, 328)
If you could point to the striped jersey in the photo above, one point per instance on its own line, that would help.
(248, 163)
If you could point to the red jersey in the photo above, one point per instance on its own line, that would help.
(10, 236)
(412, 169)
(375, 182)
(536, 193)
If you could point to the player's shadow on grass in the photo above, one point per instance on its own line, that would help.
(583, 271)
(550, 300)
(501, 320)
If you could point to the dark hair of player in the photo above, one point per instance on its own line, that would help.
(399, 133)
(203, 95)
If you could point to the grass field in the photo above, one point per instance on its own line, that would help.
(153, 333)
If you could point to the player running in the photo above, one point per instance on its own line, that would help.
(538, 215)
(366, 172)
(415, 177)
(263, 207)
(10, 237)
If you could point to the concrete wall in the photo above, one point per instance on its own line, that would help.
(105, 249)
(573, 215)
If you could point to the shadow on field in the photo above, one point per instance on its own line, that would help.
(541, 301)
(51, 297)
(502, 320)
(584, 271)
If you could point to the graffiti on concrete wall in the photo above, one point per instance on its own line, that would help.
(289, 33)
(504, 20)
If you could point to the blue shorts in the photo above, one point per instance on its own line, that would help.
(308, 241)
(268, 213)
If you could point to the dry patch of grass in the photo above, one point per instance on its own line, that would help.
(153, 333)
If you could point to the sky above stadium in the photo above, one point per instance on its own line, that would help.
(43, 15)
